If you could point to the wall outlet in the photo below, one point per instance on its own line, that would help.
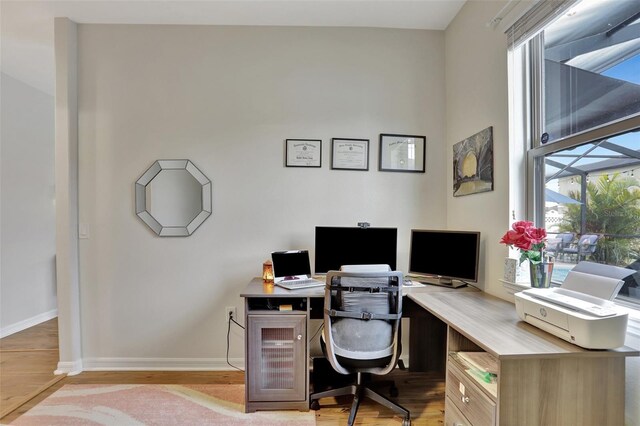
(230, 310)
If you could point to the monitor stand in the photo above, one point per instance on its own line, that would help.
(442, 282)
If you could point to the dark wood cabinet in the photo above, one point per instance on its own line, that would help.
(276, 366)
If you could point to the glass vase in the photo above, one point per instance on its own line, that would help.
(540, 274)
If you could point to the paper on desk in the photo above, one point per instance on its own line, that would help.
(491, 387)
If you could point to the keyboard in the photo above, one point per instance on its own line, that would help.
(294, 285)
(574, 303)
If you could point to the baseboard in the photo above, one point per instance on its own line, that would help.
(161, 364)
(29, 322)
(167, 364)
(70, 368)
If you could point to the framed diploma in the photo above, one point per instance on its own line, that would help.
(402, 153)
(303, 153)
(350, 154)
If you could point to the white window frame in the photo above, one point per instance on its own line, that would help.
(526, 124)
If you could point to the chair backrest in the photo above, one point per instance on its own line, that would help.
(366, 268)
(554, 244)
(362, 320)
(566, 237)
(587, 243)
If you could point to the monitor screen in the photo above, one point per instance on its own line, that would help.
(290, 263)
(445, 254)
(337, 246)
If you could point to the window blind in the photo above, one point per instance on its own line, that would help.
(535, 20)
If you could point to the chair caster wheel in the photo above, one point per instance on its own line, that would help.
(393, 391)
(406, 422)
(314, 405)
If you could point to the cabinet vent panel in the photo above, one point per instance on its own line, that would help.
(277, 360)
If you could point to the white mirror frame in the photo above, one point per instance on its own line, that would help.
(141, 198)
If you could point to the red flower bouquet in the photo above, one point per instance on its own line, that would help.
(531, 241)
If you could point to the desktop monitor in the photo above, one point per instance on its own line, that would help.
(337, 246)
(444, 255)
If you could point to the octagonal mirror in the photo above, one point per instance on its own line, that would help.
(173, 198)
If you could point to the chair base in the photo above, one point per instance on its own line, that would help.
(360, 391)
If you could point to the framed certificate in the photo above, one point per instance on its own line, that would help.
(349, 154)
(402, 153)
(303, 153)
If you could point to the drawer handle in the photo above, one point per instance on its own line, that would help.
(465, 399)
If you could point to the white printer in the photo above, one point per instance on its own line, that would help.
(580, 311)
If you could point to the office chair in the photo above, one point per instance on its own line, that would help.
(362, 313)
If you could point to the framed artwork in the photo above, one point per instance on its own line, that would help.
(473, 164)
(303, 153)
(402, 153)
(349, 154)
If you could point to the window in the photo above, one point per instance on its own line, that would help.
(591, 72)
(580, 78)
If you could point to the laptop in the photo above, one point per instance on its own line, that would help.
(292, 270)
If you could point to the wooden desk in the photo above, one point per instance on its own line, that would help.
(542, 380)
(283, 335)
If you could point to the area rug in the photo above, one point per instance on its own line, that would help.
(133, 405)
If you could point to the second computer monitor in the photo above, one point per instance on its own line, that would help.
(336, 246)
(445, 254)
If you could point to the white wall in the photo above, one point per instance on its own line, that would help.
(227, 98)
(476, 96)
(27, 271)
(67, 226)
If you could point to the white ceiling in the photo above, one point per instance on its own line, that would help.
(27, 26)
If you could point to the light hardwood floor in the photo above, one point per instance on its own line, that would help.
(27, 362)
(28, 359)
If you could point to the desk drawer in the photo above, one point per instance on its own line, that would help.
(469, 399)
(453, 416)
